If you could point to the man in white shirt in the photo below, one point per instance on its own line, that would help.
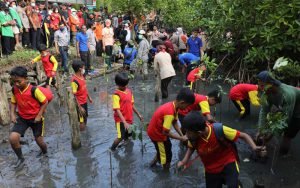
(164, 71)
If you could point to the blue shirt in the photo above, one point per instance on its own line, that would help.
(82, 39)
(194, 45)
(187, 58)
(129, 55)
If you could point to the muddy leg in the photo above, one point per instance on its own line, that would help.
(115, 144)
(154, 161)
(82, 126)
(40, 142)
(14, 139)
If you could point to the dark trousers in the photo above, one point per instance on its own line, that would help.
(108, 50)
(99, 48)
(25, 38)
(84, 58)
(229, 177)
(164, 87)
(51, 38)
(63, 50)
(7, 45)
(35, 38)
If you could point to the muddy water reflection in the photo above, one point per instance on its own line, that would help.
(90, 167)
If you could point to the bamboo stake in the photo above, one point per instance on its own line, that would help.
(111, 174)
(73, 116)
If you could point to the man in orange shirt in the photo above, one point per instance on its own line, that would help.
(74, 24)
(98, 34)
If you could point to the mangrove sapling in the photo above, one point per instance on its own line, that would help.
(111, 174)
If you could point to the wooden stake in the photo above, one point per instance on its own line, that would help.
(110, 164)
(4, 110)
(41, 76)
(73, 119)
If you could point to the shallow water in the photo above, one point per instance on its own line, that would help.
(90, 165)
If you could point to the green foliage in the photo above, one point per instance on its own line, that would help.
(20, 57)
(210, 64)
(98, 5)
(260, 33)
(136, 132)
(76, 6)
(276, 123)
(287, 70)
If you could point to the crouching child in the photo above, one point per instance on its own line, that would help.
(214, 144)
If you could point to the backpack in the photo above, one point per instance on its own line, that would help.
(47, 92)
(219, 133)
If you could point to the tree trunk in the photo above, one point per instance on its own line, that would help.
(73, 119)
(4, 110)
(41, 76)
(60, 88)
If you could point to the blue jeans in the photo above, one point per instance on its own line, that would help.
(63, 50)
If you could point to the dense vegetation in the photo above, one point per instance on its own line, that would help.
(258, 32)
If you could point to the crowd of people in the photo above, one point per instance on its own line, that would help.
(116, 38)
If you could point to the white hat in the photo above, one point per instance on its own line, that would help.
(126, 25)
(73, 10)
(142, 32)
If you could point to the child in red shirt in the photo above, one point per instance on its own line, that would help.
(80, 91)
(161, 122)
(241, 95)
(219, 157)
(202, 103)
(195, 75)
(30, 111)
(49, 63)
(123, 106)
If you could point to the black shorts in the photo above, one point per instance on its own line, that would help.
(163, 151)
(83, 119)
(23, 124)
(121, 131)
(229, 177)
(293, 128)
(50, 81)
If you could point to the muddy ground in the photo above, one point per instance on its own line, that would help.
(90, 165)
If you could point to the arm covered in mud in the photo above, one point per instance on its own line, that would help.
(250, 142)
(186, 158)
(137, 113)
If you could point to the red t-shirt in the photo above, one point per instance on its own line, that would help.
(47, 64)
(28, 106)
(241, 91)
(214, 155)
(192, 75)
(162, 121)
(54, 21)
(123, 101)
(201, 103)
(79, 89)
